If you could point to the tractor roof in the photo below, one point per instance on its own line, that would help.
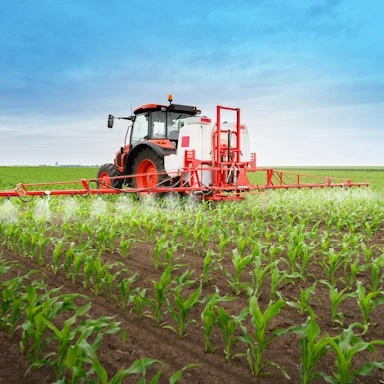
(171, 107)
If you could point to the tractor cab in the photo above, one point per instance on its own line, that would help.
(159, 122)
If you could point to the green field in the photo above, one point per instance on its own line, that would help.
(281, 284)
(10, 176)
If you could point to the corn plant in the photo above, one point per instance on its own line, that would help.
(209, 316)
(377, 275)
(74, 352)
(368, 301)
(223, 240)
(46, 305)
(181, 308)
(57, 254)
(204, 238)
(206, 264)
(170, 253)
(161, 291)
(186, 235)
(125, 246)
(197, 233)
(126, 294)
(278, 278)
(336, 298)
(109, 279)
(296, 247)
(258, 340)
(74, 259)
(161, 245)
(259, 273)
(347, 346)
(5, 266)
(303, 304)
(312, 347)
(43, 243)
(351, 270)
(332, 261)
(13, 303)
(239, 262)
(273, 251)
(91, 265)
(139, 299)
(82, 354)
(368, 252)
(64, 338)
(228, 324)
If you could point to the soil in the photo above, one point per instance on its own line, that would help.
(144, 339)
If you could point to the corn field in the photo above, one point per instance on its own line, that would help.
(284, 286)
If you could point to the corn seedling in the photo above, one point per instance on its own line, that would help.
(209, 317)
(377, 275)
(139, 299)
(258, 340)
(161, 291)
(126, 294)
(181, 308)
(125, 246)
(228, 324)
(206, 276)
(12, 304)
(239, 263)
(347, 346)
(259, 274)
(312, 347)
(368, 301)
(331, 263)
(306, 295)
(336, 298)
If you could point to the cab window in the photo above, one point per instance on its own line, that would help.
(159, 125)
(140, 128)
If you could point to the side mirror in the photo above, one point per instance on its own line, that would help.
(110, 121)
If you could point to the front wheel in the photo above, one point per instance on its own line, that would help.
(106, 171)
(149, 168)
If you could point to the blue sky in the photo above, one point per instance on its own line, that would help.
(307, 74)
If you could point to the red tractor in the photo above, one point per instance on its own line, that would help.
(153, 134)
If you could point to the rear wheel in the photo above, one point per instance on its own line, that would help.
(148, 165)
(107, 171)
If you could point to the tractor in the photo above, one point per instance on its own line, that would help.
(153, 135)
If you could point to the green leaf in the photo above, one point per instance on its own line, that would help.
(366, 369)
(141, 365)
(175, 378)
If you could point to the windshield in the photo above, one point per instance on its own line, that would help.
(167, 124)
(175, 123)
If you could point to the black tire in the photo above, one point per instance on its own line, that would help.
(155, 163)
(105, 172)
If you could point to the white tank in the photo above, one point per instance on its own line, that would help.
(196, 133)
